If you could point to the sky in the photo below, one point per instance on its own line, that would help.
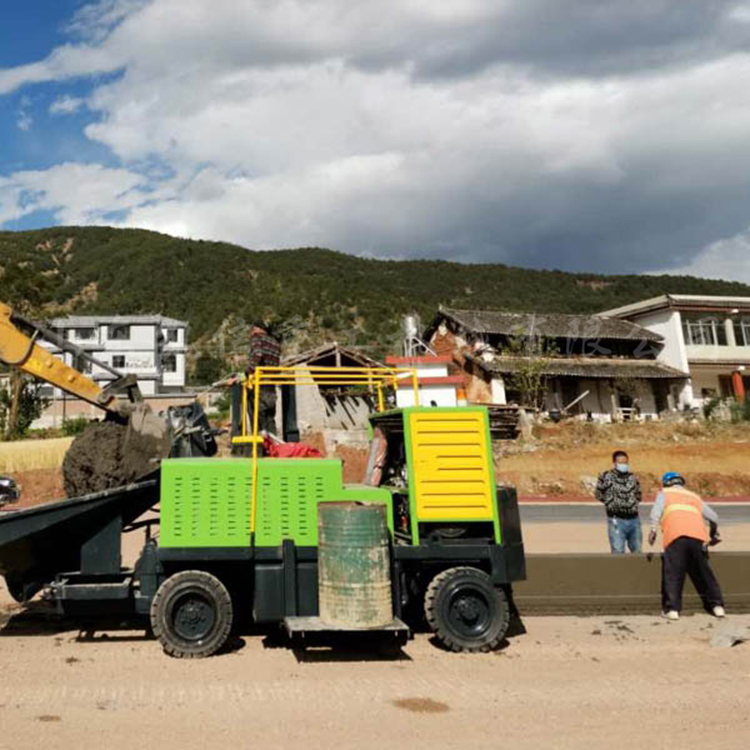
(586, 135)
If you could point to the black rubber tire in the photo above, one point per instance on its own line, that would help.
(192, 614)
(465, 611)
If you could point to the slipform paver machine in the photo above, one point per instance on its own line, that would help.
(238, 537)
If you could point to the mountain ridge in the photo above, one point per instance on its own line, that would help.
(312, 294)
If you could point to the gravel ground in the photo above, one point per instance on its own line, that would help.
(566, 683)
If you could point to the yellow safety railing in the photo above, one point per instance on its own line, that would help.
(373, 378)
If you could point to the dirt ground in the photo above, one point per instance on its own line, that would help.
(564, 460)
(566, 683)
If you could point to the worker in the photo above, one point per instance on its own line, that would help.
(682, 513)
(620, 492)
(265, 351)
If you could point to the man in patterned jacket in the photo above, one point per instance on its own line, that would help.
(620, 492)
(265, 351)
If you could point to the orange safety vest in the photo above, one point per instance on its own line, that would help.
(682, 516)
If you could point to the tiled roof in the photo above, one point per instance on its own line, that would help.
(586, 367)
(552, 325)
(90, 321)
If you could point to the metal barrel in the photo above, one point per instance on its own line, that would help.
(354, 575)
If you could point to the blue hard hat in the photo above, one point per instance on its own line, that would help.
(672, 477)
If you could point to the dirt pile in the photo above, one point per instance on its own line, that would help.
(108, 454)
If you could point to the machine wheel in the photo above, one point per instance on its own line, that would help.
(465, 611)
(191, 614)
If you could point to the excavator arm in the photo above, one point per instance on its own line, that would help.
(20, 350)
(138, 438)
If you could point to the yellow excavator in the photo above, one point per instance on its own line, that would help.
(131, 439)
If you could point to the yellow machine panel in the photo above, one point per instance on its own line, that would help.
(451, 456)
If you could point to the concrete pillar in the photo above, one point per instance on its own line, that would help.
(729, 329)
(498, 390)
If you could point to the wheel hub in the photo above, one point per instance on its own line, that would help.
(193, 618)
(470, 613)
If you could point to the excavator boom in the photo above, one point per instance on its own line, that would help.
(127, 445)
(21, 351)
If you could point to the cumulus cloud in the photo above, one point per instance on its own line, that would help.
(66, 105)
(75, 193)
(607, 136)
(725, 259)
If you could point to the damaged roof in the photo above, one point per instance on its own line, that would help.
(551, 325)
(326, 351)
(584, 367)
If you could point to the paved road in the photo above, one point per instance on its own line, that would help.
(729, 513)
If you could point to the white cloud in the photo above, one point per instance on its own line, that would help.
(725, 259)
(24, 121)
(66, 105)
(532, 132)
(76, 193)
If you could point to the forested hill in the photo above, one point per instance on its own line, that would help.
(315, 294)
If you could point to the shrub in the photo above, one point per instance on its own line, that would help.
(73, 427)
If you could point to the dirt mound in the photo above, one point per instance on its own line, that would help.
(108, 454)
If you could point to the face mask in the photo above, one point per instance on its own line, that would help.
(622, 468)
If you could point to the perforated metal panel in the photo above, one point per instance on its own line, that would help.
(207, 502)
(451, 458)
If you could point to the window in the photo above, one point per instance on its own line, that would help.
(742, 332)
(119, 333)
(704, 332)
(82, 364)
(84, 334)
(171, 334)
(169, 363)
(118, 361)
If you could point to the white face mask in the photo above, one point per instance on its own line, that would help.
(622, 468)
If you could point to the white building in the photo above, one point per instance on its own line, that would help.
(436, 386)
(707, 336)
(152, 347)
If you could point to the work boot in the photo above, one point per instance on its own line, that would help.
(671, 614)
(718, 611)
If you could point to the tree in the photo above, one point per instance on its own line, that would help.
(20, 406)
(208, 369)
(528, 378)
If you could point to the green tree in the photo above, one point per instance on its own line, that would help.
(529, 379)
(208, 369)
(20, 407)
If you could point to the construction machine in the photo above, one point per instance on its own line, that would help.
(131, 439)
(282, 541)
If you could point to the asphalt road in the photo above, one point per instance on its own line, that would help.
(729, 513)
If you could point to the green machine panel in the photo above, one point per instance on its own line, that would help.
(206, 502)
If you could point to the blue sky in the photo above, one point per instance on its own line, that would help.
(30, 137)
(534, 133)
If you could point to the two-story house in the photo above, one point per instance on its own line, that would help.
(587, 365)
(152, 347)
(706, 336)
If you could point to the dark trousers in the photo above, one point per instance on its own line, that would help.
(266, 416)
(267, 410)
(687, 556)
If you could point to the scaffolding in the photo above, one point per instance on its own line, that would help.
(374, 379)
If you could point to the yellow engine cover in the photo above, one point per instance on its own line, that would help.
(453, 476)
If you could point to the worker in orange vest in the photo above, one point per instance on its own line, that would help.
(682, 513)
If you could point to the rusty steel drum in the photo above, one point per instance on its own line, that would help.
(354, 574)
